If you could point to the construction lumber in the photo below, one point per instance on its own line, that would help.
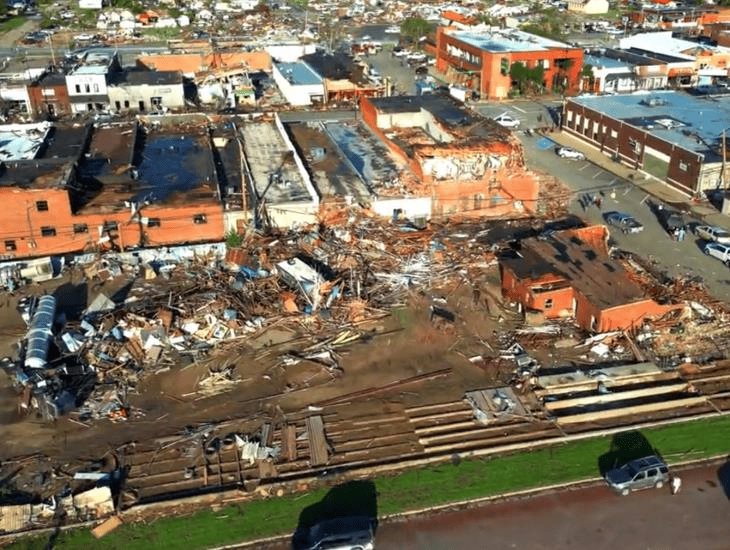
(615, 396)
(675, 404)
(289, 442)
(318, 453)
(612, 383)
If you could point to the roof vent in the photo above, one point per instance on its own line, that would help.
(654, 102)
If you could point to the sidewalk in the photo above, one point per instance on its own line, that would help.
(652, 186)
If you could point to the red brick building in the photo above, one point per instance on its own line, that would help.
(482, 60)
(570, 274)
(465, 164)
(49, 96)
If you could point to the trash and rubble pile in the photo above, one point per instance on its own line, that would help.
(184, 310)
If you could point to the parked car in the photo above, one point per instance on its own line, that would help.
(719, 251)
(507, 121)
(625, 222)
(568, 153)
(642, 473)
(714, 234)
(337, 534)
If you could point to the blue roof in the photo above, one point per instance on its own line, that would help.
(299, 73)
(508, 40)
(694, 123)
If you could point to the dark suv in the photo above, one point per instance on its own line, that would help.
(642, 473)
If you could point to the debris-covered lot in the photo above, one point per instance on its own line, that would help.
(160, 374)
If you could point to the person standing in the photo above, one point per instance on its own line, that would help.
(675, 484)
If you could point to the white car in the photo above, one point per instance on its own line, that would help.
(568, 153)
(507, 121)
(714, 234)
(719, 251)
(83, 37)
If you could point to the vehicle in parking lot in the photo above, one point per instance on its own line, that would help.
(568, 153)
(347, 533)
(710, 233)
(625, 222)
(719, 251)
(642, 473)
(507, 121)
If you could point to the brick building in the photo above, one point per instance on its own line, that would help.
(49, 96)
(110, 187)
(466, 164)
(570, 274)
(482, 59)
(673, 136)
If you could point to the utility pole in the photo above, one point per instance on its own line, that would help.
(723, 175)
(53, 54)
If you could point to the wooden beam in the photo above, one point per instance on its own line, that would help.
(630, 411)
(438, 416)
(615, 396)
(318, 453)
(613, 382)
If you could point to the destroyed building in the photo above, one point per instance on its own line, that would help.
(570, 274)
(465, 164)
(343, 78)
(116, 186)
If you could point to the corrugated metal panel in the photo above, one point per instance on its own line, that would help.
(40, 333)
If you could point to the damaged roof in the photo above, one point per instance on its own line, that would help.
(587, 267)
(139, 77)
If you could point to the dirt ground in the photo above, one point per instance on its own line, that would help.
(402, 345)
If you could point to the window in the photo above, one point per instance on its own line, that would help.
(154, 222)
(96, 88)
(78, 88)
(652, 472)
(81, 228)
(504, 66)
(111, 226)
(614, 134)
(548, 303)
(640, 476)
(570, 116)
(10, 246)
(126, 104)
(200, 218)
(48, 231)
(156, 101)
(683, 166)
(41, 206)
(118, 105)
(87, 88)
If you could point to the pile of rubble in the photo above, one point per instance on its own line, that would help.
(177, 312)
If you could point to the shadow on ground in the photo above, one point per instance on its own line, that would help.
(723, 476)
(354, 502)
(625, 446)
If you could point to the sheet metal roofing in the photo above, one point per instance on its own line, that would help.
(22, 141)
(507, 40)
(299, 74)
(603, 62)
(694, 123)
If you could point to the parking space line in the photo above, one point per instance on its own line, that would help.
(600, 172)
(518, 109)
(584, 167)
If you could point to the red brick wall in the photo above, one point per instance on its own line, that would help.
(23, 223)
(39, 102)
(520, 291)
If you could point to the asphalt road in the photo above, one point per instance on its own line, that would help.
(583, 177)
(595, 518)
(401, 74)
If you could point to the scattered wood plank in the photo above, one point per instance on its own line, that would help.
(674, 404)
(615, 396)
(613, 383)
(318, 452)
(289, 441)
(106, 527)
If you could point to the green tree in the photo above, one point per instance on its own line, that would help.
(527, 80)
(415, 27)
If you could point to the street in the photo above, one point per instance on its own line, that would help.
(593, 518)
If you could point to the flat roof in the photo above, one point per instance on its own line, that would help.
(90, 70)
(276, 178)
(694, 123)
(140, 77)
(664, 42)
(299, 73)
(36, 174)
(591, 272)
(160, 166)
(364, 152)
(331, 170)
(22, 141)
(508, 40)
(604, 62)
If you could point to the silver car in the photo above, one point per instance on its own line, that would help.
(715, 234)
(642, 473)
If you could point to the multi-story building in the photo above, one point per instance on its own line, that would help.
(483, 59)
(87, 82)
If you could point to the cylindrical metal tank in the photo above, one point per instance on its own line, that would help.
(40, 333)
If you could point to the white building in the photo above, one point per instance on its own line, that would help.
(588, 7)
(87, 82)
(299, 83)
(90, 4)
(143, 91)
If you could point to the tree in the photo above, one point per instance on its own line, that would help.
(415, 27)
(525, 79)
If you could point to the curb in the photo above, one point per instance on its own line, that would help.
(477, 502)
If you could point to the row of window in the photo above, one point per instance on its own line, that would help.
(87, 88)
(50, 231)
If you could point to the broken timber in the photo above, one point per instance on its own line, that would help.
(318, 453)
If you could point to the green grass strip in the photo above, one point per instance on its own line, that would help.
(412, 490)
(12, 23)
